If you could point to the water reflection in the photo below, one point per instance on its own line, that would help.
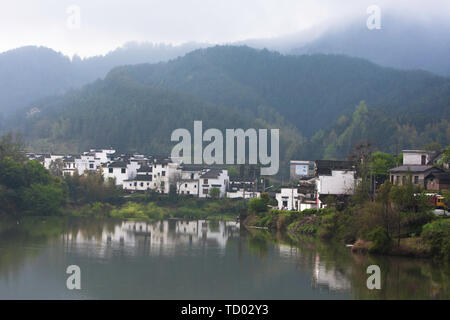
(198, 260)
(160, 238)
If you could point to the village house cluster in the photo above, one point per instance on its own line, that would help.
(137, 172)
(418, 166)
(311, 182)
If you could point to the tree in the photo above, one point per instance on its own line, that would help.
(445, 157)
(176, 180)
(257, 205)
(56, 167)
(43, 200)
(433, 146)
(11, 146)
(214, 193)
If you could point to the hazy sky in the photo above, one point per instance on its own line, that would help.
(107, 24)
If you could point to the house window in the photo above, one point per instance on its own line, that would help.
(91, 165)
(110, 170)
(205, 181)
(392, 179)
(424, 160)
(123, 170)
(142, 184)
(192, 176)
(163, 173)
(185, 185)
(205, 191)
(416, 179)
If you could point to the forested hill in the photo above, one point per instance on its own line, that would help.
(132, 117)
(312, 98)
(310, 90)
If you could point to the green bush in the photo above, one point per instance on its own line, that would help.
(257, 206)
(437, 235)
(381, 242)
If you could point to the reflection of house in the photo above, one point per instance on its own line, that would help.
(159, 238)
(329, 278)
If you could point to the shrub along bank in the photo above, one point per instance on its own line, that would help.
(398, 221)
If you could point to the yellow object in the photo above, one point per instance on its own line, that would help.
(440, 203)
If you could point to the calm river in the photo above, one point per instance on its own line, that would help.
(194, 260)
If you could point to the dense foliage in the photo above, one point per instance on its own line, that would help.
(26, 187)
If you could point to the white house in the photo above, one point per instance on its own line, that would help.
(287, 198)
(49, 158)
(143, 180)
(213, 178)
(154, 176)
(339, 182)
(416, 157)
(187, 179)
(69, 166)
(120, 171)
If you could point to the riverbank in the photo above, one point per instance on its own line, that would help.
(151, 208)
(433, 240)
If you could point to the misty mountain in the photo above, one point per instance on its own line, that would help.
(30, 73)
(402, 43)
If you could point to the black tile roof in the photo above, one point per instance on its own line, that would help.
(414, 168)
(145, 169)
(324, 167)
(117, 164)
(211, 174)
(142, 177)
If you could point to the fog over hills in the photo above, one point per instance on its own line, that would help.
(30, 73)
